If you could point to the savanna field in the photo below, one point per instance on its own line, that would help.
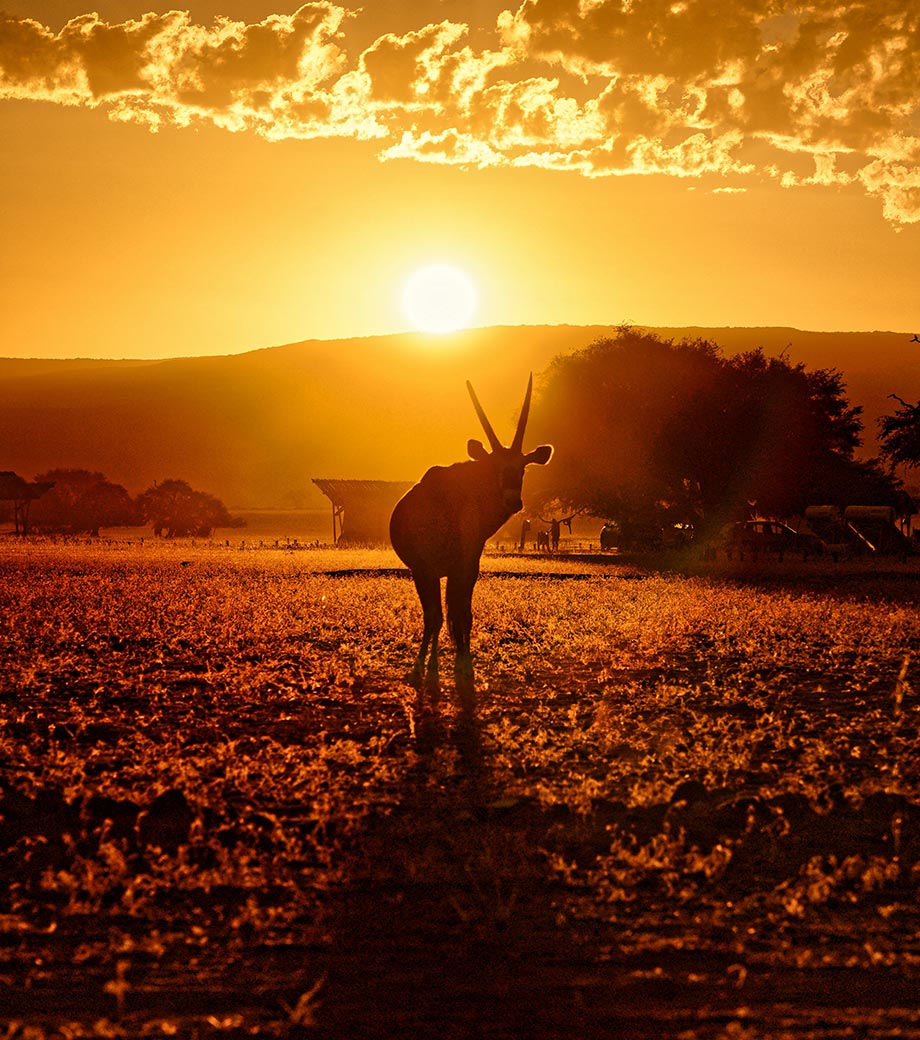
(687, 803)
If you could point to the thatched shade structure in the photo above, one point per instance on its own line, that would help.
(361, 508)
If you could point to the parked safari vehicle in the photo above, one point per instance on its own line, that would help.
(644, 537)
(877, 529)
(827, 524)
(752, 538)
(858, 530)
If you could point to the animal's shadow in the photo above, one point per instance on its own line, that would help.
(459, 725)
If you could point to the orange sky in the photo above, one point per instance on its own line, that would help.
(245, 174)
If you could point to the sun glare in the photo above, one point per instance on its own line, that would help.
(439, 298)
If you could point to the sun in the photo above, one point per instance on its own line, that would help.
(439, 298)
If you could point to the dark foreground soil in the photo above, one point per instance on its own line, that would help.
(216, 831)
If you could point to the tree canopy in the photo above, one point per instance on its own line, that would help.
(900, 434)
(16, 498)
(173, 508)
(81, 502)
(646, 429)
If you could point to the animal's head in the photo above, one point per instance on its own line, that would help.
(507, 464)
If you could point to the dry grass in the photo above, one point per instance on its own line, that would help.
(209, 755)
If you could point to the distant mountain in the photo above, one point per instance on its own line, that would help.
(255, 428)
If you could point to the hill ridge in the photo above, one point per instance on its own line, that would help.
(255, 427)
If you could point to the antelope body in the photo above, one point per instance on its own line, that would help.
(440, 527)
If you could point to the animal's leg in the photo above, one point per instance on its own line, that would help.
(429, 592)
(460, 617)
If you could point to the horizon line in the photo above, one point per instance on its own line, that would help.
(456, 333)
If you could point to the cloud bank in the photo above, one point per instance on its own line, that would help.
(807, 93)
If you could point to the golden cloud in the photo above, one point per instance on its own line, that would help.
(598, 87)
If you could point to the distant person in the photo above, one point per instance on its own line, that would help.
(525, 530)
(554, 534)
(608, 537)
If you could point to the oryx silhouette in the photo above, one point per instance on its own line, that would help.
(440, 527)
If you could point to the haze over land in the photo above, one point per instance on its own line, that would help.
(255, 428)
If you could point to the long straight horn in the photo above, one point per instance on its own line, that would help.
(518, 443)
(486, 425)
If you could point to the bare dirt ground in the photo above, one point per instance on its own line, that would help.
(685, 804)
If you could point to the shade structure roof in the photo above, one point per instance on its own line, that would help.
(361, 508)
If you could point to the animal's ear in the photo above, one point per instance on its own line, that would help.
(540, 455)
(476, 450)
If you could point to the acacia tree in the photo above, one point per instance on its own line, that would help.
(612, 411)
(900, 434)
(16, 498)
(173, 508)
(791, 429)
(647, 429)
(81, 502)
